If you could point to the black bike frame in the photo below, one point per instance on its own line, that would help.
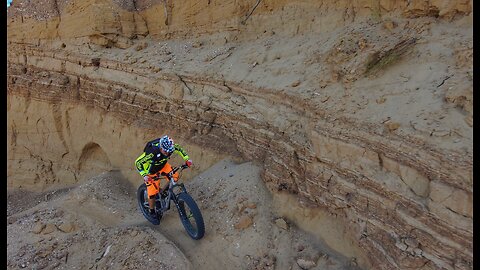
(165, 202)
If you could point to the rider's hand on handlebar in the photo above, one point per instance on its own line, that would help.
(189, 163)
(147, 179)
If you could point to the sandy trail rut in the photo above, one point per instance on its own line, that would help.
(97, 225)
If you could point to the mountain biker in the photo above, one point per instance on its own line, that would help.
(154, 160)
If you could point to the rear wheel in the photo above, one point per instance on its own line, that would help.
(142, 199)
(190, 216)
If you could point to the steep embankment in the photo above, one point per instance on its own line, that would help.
(363, 110)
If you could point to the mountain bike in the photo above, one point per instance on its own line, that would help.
(175, 192)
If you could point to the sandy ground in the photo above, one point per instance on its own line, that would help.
(97, 225)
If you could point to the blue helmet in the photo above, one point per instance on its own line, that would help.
(166, 143)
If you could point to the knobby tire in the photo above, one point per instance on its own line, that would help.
(141, 194)
(185, 199)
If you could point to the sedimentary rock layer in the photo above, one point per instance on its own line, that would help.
(329, 167)
(407, 203)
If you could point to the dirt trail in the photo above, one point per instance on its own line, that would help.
(96, 225)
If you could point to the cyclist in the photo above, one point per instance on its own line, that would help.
(154, 160)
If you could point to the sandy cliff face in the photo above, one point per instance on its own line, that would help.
(362, 109)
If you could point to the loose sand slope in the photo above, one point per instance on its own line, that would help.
(97, 224)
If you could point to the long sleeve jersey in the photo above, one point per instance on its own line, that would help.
(152, 160)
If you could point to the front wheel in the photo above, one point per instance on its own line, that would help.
(190, 216)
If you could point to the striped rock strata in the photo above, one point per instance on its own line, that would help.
(89, 83)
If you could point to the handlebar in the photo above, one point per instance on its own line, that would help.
(175, 169)
(171, 173)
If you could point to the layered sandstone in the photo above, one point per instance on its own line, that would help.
(363, 109)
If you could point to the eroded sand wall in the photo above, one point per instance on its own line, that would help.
(403, 204)
(357, 175)
(114, 22)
